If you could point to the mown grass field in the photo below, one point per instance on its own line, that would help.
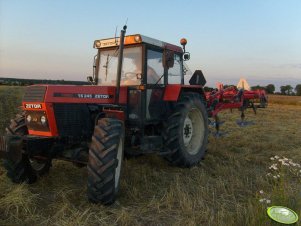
(223, 190)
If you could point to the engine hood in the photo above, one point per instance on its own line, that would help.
(73, 94)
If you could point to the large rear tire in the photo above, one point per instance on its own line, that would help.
(105, 160)
(186, 132)
(27, 169)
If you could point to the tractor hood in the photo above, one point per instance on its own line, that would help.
(72, 94)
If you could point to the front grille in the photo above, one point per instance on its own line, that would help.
(34, 94)
(73, 120)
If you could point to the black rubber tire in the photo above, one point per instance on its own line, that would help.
(173, 134)
(105, 161)
(23, 170)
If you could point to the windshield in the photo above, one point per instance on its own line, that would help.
(131, 66)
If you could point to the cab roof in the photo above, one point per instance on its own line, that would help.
(136, 39)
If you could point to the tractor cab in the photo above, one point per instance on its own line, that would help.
(146, 61)
(149, 66)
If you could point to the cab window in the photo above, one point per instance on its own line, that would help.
(155, 68)
(131, 67)
(174, 73)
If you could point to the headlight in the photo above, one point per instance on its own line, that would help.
(98, 44)
(43, 120)
(28, 118)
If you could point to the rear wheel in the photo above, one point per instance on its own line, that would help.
(27, 169)
(186, 132)
(105, 160)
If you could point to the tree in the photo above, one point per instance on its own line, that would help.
(298, 90)
(289, 89)
(270, 88)
(257, 87)
(286, 90)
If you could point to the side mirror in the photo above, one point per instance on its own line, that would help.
(186, 56)
(168, 59)
(90, 79)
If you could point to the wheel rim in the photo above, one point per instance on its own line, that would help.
(119, 158)
(37, 166)
(193, 131)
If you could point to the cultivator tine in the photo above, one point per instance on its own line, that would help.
(253, 107)
(243, 123)
(216, 124)
(219, 134)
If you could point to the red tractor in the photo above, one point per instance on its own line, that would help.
(137, 103)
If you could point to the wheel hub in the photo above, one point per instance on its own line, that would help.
(187, 131)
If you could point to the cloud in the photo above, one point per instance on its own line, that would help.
(298, 66)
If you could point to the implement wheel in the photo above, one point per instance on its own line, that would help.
(186, 132)
(105, 160)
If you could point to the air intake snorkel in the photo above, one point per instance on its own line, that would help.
(120, 60)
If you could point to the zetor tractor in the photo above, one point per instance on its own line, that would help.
(137, 103)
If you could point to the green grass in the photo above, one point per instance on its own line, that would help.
(222, 190)
(287, 100)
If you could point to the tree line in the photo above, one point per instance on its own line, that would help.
(27, 82)
(270, 89)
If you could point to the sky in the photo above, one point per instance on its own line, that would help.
(259, 40)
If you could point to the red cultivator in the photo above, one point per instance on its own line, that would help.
(232, 98)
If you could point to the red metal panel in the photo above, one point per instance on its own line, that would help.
(48, 108)
(172, 92)
(51, 119)
(173, 48)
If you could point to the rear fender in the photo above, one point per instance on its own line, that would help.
(173, 92)
(109, 113)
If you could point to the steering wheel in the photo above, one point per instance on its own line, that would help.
(132, 75)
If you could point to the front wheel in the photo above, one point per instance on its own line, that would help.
(186, 132)
(27, 169)
(105, 160)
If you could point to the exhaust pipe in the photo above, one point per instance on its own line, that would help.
(120, 60)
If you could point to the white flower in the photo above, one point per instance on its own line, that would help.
(261, 200)
(261, 192)
(278, 175)
(274, 167)
(285, 159)
(269, 174)
(272, 158)
(275, 177)
(268, 201)
(285, 164)
(276, 157)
